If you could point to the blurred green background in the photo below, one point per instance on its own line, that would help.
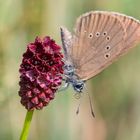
(115, 92)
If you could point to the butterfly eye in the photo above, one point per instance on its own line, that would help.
(90, 35)
(108, 47)
(97, 34)
(105, 33)
(107, 55)
(108, 38)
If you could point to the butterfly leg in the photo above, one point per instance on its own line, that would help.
(64, 87)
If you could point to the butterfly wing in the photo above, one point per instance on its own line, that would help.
(66, 38)
(132, 27)
(98, 40)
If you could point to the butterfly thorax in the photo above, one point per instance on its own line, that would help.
(72, 78)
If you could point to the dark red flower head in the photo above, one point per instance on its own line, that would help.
(40, 73)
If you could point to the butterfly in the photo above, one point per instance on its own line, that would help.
(98, 40)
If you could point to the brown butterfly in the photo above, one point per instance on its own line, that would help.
(99, 39)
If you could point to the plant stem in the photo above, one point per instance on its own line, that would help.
(27, 122)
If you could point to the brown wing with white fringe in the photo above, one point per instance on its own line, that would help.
(132, 27)
(98, 40)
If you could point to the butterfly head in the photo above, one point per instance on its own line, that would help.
(78, 85)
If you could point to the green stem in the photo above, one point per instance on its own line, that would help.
(26, 126)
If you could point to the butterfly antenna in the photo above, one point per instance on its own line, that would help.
(78, 96)
(91, 106)
(78, 108)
